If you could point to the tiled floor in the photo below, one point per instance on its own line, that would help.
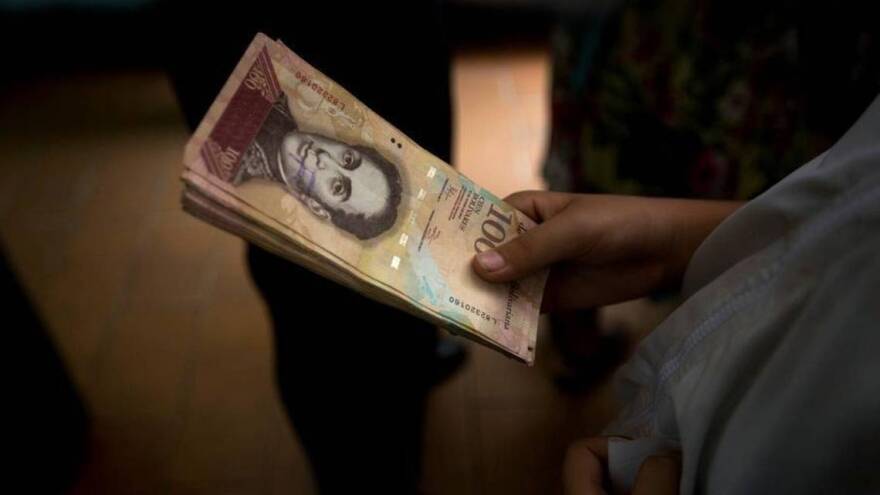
(178, 383)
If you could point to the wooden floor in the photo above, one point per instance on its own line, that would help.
(178, 382)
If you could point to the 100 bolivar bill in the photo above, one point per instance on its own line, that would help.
(308, 160)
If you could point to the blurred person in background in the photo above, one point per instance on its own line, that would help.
(353, 374)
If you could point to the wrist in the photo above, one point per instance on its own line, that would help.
(694, 221)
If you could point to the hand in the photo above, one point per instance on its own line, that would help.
(586, 470)
(602, 249)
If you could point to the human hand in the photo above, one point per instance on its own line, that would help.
(602, 249)
(585, 471)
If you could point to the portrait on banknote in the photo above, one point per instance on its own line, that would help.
(353, 187)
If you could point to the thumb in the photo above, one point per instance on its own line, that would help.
(535, 249)
(659, 475)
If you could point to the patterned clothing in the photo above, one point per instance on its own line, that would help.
(692, 99)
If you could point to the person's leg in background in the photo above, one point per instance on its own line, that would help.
(43, 405)
(352, 374)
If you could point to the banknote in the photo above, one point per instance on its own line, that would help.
(288, 159)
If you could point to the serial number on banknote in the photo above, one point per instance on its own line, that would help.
(470, 308)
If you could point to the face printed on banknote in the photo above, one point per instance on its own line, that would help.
(352, 186)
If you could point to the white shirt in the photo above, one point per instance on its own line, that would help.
(767, 378)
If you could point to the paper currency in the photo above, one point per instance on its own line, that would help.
(289, 160)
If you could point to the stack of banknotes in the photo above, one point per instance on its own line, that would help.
(289, 160)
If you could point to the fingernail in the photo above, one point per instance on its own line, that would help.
(491, 260)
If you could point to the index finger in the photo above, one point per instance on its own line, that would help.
(538, 205)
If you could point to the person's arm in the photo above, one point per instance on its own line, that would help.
(603, 249)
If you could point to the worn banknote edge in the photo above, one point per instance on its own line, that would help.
(203, 207)
(286, 246)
